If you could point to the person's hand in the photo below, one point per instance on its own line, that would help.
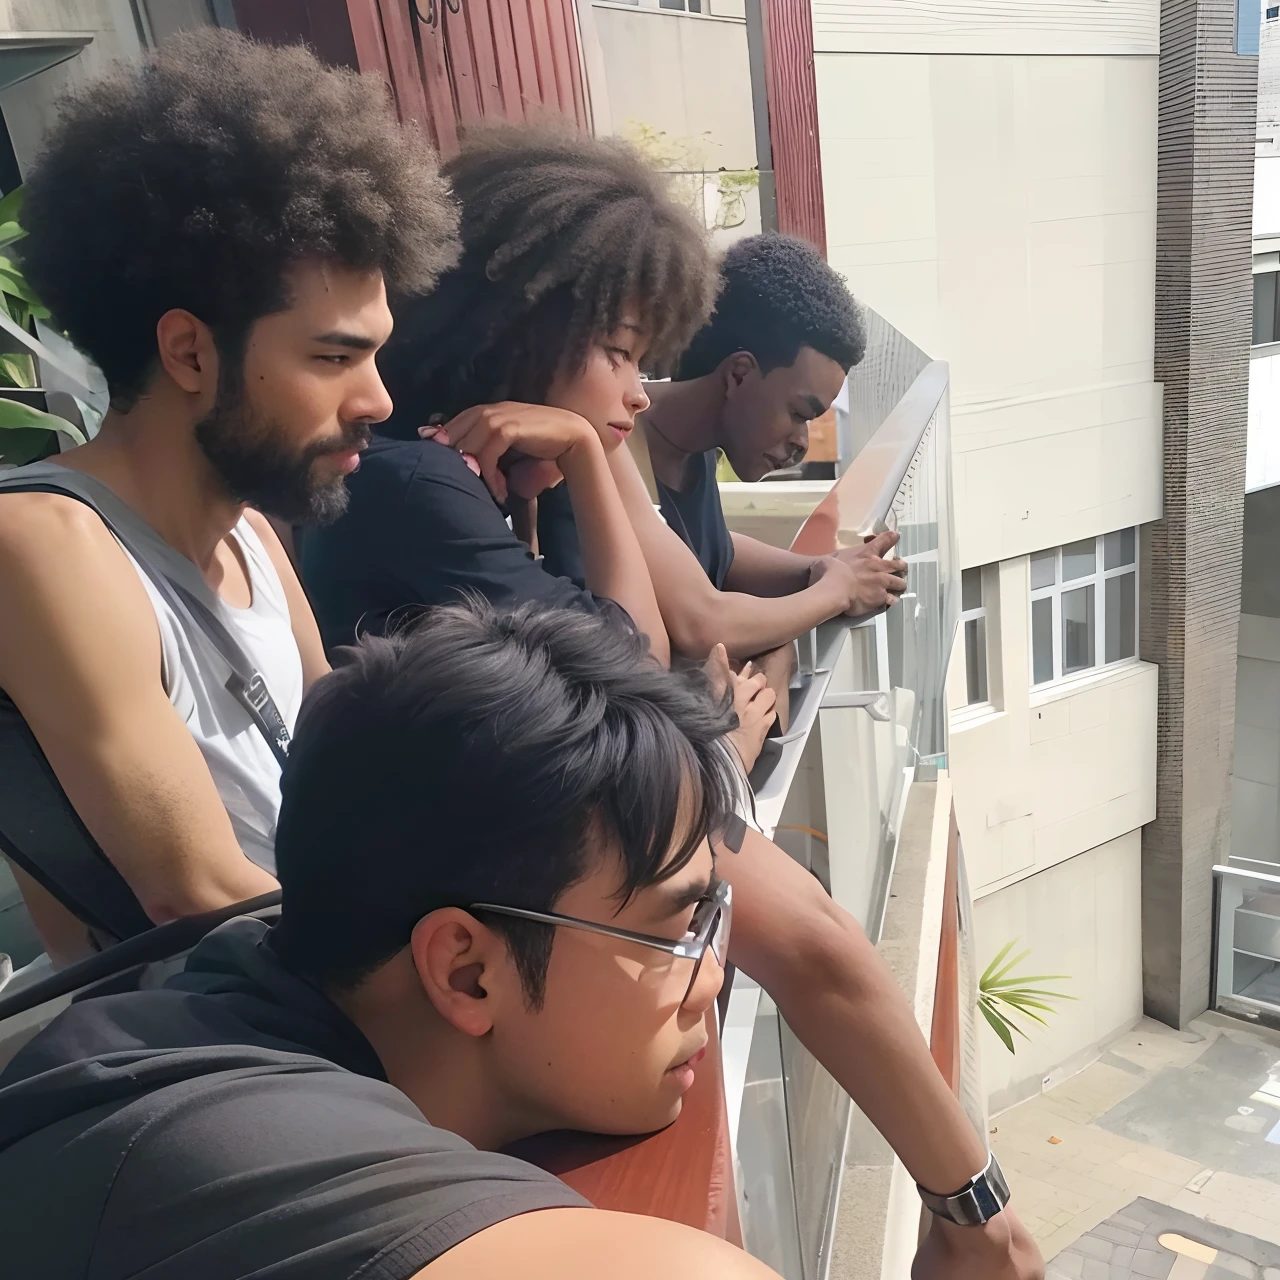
(753, 701)
(1001, 1250)
(865, 580)
(533, 439)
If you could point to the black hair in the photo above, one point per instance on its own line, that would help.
(561, 233)
(196, 179)
(481, 757)
(777, 295)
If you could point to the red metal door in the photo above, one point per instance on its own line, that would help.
(450, 63)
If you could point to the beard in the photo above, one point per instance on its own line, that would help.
(250, 455)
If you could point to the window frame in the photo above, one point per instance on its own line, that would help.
(982, 613)
(1098, 580)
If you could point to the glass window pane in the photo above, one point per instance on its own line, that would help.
(1122, 617)
(1264, 307)
(1119, 548)
(1079, 559)
(1077, 630)
(971, 589)
(975, 659)
(1044, 569)
(1041, 641)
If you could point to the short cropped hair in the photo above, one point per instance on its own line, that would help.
(560, 235)
(777, 295)
(480, 756)
(197, 178)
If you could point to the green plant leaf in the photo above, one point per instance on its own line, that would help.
(12, 281)
(1001, 989)
(990, 970)
(1001, 1026)
(23, 446)
(16, 416)
(11, 205)
(1002, 973)
(16, 370)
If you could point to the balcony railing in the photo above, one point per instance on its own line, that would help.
(1246, 979)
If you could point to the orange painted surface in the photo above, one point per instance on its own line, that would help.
(944, 1034)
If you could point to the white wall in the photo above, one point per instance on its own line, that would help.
(1050, 774)
(1000, 211)
(1082, 918)
(1255, 782)
(987, 26)
(1262, 450)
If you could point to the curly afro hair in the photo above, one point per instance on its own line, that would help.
(560, 234)
(195, 180)
(777, 295)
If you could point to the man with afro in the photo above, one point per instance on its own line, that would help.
(218, 229)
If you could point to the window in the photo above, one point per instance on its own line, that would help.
(1084, 606)
(973, 620)
(1266, 323)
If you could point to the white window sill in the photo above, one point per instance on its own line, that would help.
(669, 13)
(1042, 694)
(974, 714)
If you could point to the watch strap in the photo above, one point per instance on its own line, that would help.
(976, 1203)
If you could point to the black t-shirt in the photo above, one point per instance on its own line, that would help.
(232, 1124)
(421, 529)
(694, 513)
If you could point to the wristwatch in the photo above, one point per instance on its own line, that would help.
(976, 1203)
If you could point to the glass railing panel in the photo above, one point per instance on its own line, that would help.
(876, 384)
(766, 1189)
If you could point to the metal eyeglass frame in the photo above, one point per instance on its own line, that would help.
(715, 909)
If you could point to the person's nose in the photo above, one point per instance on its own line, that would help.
(369, 400)
(637, 399)
(706, 985)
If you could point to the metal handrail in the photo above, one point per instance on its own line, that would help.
(860, 502)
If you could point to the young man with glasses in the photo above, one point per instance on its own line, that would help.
(327, 1098)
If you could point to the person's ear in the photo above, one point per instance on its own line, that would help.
(187, 352)
(736, 369)
(457, 960)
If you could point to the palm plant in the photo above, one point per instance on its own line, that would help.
(1004, 994)
(26, 432)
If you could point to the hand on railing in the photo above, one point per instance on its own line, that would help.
(753, 700)
(1002, 1250)
(867, 581)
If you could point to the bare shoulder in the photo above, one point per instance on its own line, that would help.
(584, 1244)
(55, 543)
(69, 586)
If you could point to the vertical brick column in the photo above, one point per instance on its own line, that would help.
(1191, 558)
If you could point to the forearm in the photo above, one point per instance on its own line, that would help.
(843, 1004)
(613, 563)
(761, 570)
(853, 1017)
(746, 625)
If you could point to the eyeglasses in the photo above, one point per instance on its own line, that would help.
(708, 929)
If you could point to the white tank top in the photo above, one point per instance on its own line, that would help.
(243, 767)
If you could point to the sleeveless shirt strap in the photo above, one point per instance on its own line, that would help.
(245, 683)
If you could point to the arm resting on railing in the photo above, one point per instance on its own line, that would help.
(845, 1007)
(697, 616)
